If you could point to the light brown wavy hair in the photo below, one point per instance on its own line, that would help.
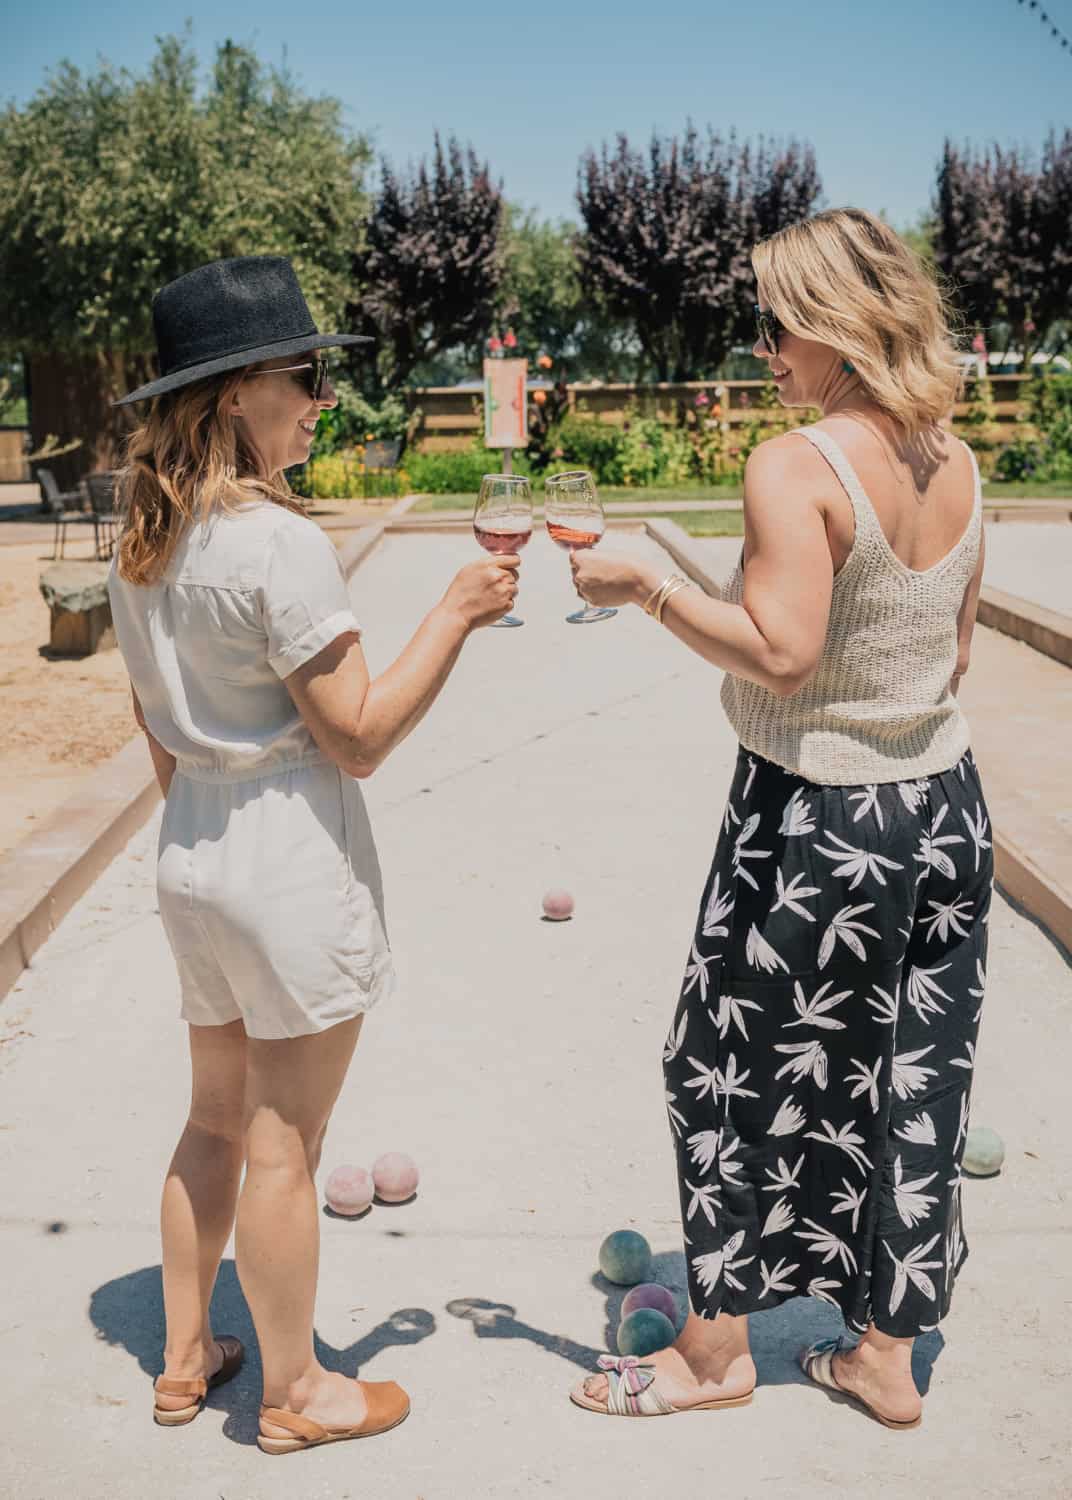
(188, 456)
(844, 278)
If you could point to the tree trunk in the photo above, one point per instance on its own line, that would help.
(70, 397)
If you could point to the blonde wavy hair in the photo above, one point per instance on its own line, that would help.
(188, 456)
(844, 278)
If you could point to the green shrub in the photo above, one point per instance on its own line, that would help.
(580, 441)
(458, 471)
(1049, 408)
(341, 476)
(655, 453)
(357, 420)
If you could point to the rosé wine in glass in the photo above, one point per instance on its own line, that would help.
(502, 520)
(574, 519)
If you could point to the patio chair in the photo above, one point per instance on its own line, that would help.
(381, 457)
(65, 506)
(101, 491)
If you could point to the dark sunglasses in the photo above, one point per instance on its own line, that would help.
(767, 328)
(311, 381)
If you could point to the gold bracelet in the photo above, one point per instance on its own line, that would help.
(676, 584)
(649, 603)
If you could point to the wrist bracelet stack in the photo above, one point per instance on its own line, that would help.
(656, 602)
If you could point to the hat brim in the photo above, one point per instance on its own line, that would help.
(225, 362)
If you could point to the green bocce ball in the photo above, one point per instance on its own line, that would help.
(984, 1152)
(644, 1331)
(625, 1257)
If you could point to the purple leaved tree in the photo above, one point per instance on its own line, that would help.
(666, 236)
(429, 269)
(1003, 237)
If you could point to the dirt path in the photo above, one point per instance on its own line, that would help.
(60, 717)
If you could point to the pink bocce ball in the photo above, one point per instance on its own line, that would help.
(395, 1176)
(652, 1296)
(558, 906)
(349, 1190)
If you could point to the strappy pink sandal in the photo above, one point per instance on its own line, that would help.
(631, 1392)
(388, 1405)
(817, 1362)
(164, 1385)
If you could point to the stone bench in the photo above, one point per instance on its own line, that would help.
(77, 595)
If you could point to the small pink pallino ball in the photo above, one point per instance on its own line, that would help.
(395, 1176)
(558, 906)
(349, 1190)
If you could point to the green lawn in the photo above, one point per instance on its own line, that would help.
(611, 495)
(708, 523)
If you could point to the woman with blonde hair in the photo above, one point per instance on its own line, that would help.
(249, 681)
(819, 1063)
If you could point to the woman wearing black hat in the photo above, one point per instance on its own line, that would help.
(249, 681)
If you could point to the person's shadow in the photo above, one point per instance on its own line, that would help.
(129, 1313)
(777, 1336)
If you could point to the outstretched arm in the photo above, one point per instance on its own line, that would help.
(775, 636)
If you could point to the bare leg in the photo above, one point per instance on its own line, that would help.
(198, 1204)
(879, 1371)
(292, 1086)
(710, 1359)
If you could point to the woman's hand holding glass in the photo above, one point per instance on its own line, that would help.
(502, 520)
(575, 520)
(483, 592)
(611, 579)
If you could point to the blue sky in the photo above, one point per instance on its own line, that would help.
(874, 89)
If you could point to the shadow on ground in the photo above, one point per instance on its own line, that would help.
(777, 1336)
(129, 1313)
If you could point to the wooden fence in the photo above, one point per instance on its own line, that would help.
(450, 417)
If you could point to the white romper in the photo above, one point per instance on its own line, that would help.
(268, 880)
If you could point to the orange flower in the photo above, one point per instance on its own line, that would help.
(545, 361)
(539, 397)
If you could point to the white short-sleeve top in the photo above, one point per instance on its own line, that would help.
(247, 598)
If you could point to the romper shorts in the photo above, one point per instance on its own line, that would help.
(271, 896)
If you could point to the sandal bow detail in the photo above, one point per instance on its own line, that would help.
(631, 1392)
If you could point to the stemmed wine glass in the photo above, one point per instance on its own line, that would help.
(574, 519)
(502, 519)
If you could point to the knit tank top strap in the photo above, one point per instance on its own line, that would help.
(867, 521)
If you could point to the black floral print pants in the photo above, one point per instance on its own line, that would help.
(819, 1063)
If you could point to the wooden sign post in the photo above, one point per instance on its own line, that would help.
(506, 407)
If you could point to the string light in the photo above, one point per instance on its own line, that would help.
(1045, 19)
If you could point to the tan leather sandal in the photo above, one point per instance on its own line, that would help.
(164, 1385)
(388, 1405)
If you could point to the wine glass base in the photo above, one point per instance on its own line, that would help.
(507, 622)
(589, 615)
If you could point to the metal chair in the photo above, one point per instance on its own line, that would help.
(381, 457)
(101, 491)
(66, 509)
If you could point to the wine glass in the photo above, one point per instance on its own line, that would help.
(502, 519)
(574, 519)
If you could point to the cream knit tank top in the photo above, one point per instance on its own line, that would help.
(879, 707)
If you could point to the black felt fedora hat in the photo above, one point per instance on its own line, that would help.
(228, 314)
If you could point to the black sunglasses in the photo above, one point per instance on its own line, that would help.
(312, 381)
(767, 328)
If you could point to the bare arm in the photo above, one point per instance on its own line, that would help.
(775, 636)
(357, 721)
(163, 760)
(966, 618)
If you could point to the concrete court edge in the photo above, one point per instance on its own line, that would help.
(1037, 890)
(45, 874)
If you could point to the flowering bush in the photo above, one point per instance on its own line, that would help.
(341, 476)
